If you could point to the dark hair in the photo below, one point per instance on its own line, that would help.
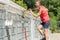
(41, 2)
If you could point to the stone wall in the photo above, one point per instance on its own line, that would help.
(24, 25)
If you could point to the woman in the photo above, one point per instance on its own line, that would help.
(43, 14)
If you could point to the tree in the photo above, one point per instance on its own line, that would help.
(29, 3)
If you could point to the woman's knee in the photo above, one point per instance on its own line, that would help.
(45, 30)
(40, 27)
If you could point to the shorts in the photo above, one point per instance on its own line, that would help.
(46, 24)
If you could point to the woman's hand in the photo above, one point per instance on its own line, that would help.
(35, 15)
(30, 10)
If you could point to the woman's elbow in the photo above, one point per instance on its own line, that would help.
(37, 16)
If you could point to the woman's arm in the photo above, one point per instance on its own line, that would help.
(36, 15)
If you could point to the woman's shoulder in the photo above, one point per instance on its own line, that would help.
(44, 8)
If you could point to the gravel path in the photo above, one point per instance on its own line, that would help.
(55, 36)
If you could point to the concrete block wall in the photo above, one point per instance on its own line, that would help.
(22, 28)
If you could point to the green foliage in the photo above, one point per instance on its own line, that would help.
(20, 2)
(53, 24)
(29, 3)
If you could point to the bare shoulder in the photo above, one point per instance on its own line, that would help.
(44, 8)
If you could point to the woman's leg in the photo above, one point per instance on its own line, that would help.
(40, 29)
(46, 33)
(46, 26)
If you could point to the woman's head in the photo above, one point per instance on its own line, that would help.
(37, 3)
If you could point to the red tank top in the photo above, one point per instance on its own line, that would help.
(43, 14)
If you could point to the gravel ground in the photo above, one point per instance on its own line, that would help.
(55, 36)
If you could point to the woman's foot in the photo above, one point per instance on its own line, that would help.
(43, 38)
